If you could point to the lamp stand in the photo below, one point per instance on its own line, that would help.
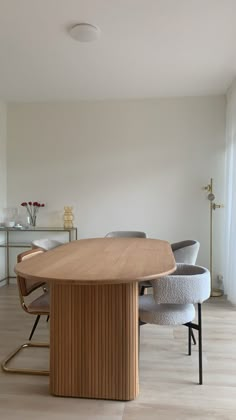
(213, 206)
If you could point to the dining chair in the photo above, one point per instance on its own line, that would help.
(173, 299)
(186, 252)
(126, 234)
(45, 243)
(37, 306)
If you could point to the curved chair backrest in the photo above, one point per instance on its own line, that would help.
(188, 284)
(46, 244)
(28, 286)
(126, 234)
(186, 252)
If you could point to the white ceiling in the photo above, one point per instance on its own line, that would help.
(147, 48)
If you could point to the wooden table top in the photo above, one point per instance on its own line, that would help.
(101, 261)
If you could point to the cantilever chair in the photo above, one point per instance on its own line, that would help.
(173, 299)
(38, 306)
(45, 243)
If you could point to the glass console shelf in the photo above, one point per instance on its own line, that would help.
(22, 237)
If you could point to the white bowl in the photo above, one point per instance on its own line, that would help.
(10, 224)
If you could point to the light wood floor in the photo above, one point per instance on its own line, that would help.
(168, 378)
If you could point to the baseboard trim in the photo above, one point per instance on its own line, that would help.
(3, 283)
(12, 281)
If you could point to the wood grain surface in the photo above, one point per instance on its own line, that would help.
(94, 341)
(102, 260)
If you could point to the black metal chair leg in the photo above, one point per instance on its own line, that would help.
(34, 327)
(200, 343)
(189, 340)
(47, 318)
(142, 290)
(193, 337)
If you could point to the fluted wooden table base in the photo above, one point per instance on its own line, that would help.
(94, 341)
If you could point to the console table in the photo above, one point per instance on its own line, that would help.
(22, 238)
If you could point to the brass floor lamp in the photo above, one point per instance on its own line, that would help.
(213, 206)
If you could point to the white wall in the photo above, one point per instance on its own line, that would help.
(3, 185)
(3, 192)
(123, 165)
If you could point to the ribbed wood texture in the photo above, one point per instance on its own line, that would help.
(94, 341)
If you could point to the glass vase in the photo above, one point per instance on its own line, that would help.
(32, 220)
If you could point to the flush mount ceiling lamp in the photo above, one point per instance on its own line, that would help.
(84, 32)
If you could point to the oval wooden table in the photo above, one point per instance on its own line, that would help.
(94, 311)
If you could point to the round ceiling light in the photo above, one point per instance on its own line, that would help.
(84, 32)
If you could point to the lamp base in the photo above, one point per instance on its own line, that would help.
(216, 292)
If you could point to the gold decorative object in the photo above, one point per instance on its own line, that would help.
(68, 217)
(213, 206)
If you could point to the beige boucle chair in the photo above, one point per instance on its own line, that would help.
(185, 252)
(173, 299)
